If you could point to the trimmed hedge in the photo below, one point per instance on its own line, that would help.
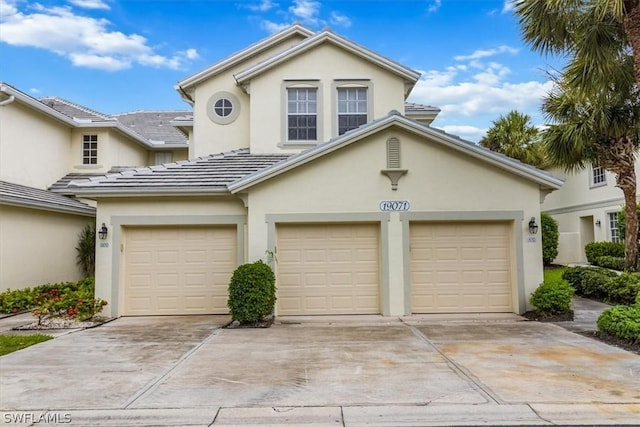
(622, 321)
(595, 250)
(612, 262)
(252, 293)
(552, 298)
(605, 285)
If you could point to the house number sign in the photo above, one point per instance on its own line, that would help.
(395, 205)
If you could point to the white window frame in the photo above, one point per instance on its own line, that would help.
(612, 227)
(90, 149)
(290, 85)
(339, 85)
(598, 176)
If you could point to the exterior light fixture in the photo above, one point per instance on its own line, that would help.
(598, 223)
(533, 227)
(103, 232)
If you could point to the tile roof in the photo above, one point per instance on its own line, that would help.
(20, 195)
(61, 186)
(410, 107)
(155, 126)
(74, 111)
(206, 174)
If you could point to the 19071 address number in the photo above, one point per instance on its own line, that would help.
(395, 205)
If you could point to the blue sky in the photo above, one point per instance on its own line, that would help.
(124, 55)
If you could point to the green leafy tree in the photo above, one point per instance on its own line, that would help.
(86, 250)
(594, 107)
(515, 136)
(550, 237)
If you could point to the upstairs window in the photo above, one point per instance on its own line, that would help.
(352, 108)
(302, 114)
(598, 176)
(89, 149)
(163, 157)
(614, 235)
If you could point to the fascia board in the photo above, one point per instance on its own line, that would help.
(37, 105)
(242, 55)
(93, 192)
(538, 176)
(21, 203)
(407, 73)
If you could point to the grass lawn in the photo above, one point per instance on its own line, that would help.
(552, 274)
(11, 343)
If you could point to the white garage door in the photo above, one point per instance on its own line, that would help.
(328, 269)
(178, 270)
(460, 267)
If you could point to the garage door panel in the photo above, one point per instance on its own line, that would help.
(182, 270)
(460, 267)
(327, 269)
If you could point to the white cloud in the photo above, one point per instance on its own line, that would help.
(307, 10)
(484, 53)
(85, 41)
(272, 27)
(508, 6)
(339, 19)
(470, 133)
(263, 6)
(90, 4)
(434, 6)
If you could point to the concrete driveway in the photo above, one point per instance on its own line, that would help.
(325, 371)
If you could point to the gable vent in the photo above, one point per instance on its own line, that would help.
(393, 153)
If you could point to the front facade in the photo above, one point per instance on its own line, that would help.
(303, 153)
(586, 209)
(45, 143)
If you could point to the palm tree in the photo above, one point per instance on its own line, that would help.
(595, 104)
(515, 136)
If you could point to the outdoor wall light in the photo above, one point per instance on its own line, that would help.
(103, 232)
(598, 223)
(533, 227)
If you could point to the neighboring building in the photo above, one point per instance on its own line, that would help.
(45, 143)
(586, 209)
(304, 153)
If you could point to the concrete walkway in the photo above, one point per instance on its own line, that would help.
(344, 371)
(585, 315)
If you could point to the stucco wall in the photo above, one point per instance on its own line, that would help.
(324, 66)
(38, 247)
(211, 138)
(34, 149)
(118, 214)
(439, 180)
(114, 149)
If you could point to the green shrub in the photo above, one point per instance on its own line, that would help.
(252, 292)
(622, 321)
(16, 300)
(594, 284)
(550, 237)
(552, 298)
(623, 289)
(595, 250)
(612, 262)
(86, 250)
(576, 275)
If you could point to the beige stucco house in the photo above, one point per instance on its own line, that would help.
(304, 153)
(45, 143)
(586, 208)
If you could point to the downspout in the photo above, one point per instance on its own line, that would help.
(8, 100)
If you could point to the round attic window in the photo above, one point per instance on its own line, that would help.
(223, 108)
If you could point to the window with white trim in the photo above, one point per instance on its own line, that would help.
(598, 176)
(352, 108)
(614, 235)
(302, 114)
(89, 149)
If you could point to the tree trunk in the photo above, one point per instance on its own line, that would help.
(619, 157)
(631, 24)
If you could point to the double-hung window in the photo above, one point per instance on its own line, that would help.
(614, 235)
(89, 149)
(598, 176)
(302, 114)
(352, 108)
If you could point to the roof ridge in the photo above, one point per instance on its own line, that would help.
(78, 106)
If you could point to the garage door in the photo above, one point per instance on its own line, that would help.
(328, 269)
(178, 270)
(460, 267)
